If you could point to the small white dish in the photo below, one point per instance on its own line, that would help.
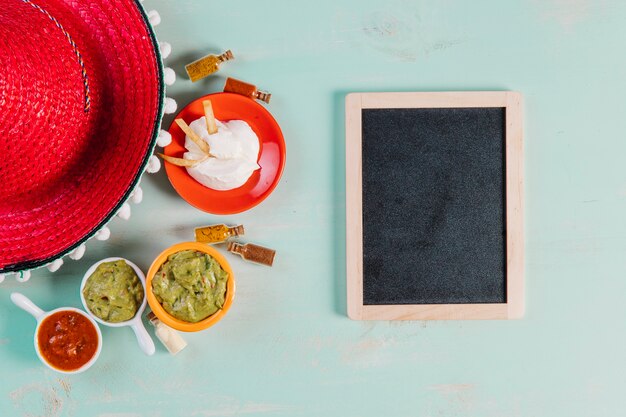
(27, 305)
(143, 338)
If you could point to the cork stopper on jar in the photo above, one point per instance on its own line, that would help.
(235, 247)
(226, 56)
(152, 317)
(263, 96)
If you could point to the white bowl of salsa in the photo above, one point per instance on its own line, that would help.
(67, 339)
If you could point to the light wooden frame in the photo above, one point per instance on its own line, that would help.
(514, 306)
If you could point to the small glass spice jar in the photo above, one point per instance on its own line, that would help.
(217, 233)
(206, 65)
(170, 338)
(239, 87)
(253, 253)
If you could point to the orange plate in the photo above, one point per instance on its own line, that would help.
(227, 106)
(173, 322)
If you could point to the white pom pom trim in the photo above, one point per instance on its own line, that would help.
(169, 106)
(166, 49)
(22, 276)
(164, 138)
(55, 265)
(103, 234)
(137, 195)
(154, 165)
(124, 212)
(78, 253)
(169, 76)
(154, 17)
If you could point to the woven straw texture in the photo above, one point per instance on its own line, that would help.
(80, 106)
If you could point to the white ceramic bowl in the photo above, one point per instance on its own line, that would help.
(25, 304)
(143, 338)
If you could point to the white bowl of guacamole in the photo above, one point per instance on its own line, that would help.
(113, 292)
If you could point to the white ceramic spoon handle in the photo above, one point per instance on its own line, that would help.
(145, 341)
(25, 304)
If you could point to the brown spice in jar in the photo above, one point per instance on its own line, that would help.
(253, 253)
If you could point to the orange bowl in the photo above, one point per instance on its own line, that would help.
(272, 154)
(168, 319)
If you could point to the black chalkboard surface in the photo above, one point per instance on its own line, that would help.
(433, 238)
(433, 206)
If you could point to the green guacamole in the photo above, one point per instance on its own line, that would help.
(113, 292)
(190, 285)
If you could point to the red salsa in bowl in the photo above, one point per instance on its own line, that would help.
(67, 340)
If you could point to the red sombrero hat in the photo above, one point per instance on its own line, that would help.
(81, 100)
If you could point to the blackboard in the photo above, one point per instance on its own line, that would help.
(436, 236)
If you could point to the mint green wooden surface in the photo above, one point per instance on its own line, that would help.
(286, 348)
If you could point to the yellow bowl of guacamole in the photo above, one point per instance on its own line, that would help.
(190, 286)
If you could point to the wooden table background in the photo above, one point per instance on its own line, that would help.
(287, 348)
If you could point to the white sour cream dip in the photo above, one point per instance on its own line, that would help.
(235, 148)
